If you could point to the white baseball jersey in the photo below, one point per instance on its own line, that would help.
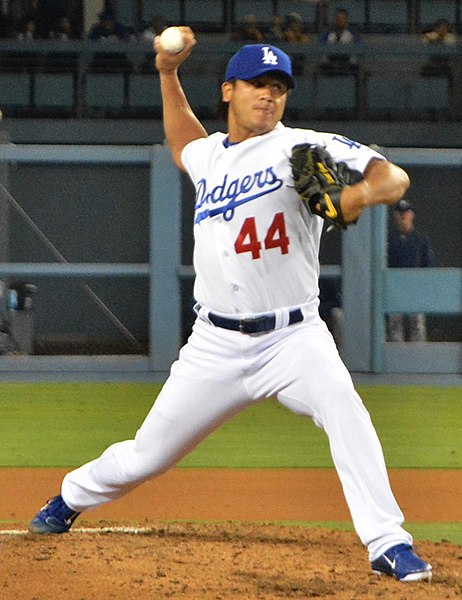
(256, 245)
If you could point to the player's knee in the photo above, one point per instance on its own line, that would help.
(137, 465)
(145, 466)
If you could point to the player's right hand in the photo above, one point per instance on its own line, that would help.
(166, 61)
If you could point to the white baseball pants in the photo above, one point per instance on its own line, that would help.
(221, 372)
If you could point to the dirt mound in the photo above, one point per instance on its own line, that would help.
(209, 561)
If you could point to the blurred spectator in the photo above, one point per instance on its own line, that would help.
(439, 64)
(275, 31)
(294, 33)
(64, 30)
(29, 21)
(28, 31)
(294, 29)
(407, 247)
(441, 34)
(51, 12)
(250, 30)
(340, 34)
(39, 18)
(107, 28)
(341, 31)
(155, 27)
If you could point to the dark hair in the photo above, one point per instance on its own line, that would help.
(442, 22)
(222, 108)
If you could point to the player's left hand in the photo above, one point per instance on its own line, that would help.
(319, 182)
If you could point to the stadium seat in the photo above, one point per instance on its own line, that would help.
(61, 62)
(20, 61)
(15, 90)
(431, 11)
(105, 91)
(337, 93)
(202, 91)
(430, 94)
(204, 15)
(300, 103)
(388, 16)
(17, 70)
(110, 62)
(411, 96)
(388, 97)
(169, 9)
(262, 9)
(54, 90)
(144, 93)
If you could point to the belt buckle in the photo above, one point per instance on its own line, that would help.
(242, 324)
(257, 324)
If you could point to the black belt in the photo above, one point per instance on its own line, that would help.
(257, 325)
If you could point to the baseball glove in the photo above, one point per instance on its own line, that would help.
(319, 182)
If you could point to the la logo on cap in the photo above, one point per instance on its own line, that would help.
(254, 60)
(269, 57)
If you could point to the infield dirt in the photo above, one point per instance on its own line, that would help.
(236, 553)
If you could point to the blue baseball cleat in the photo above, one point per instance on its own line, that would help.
(54, 517)
(401, 562)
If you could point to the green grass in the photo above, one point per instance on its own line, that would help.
(48, 424)
(433, 532)
(65, 425)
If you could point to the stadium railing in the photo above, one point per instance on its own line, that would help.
(370, 289)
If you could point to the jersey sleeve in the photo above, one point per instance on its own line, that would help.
(342, 149)
(354, 154)
(196, 155)
(191, 154)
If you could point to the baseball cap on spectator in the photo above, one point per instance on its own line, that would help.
(253, 60)
(402, 206)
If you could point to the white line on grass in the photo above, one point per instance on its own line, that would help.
(128, 530)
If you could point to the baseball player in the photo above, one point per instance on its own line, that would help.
(263, 191)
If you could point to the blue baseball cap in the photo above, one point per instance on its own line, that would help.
(253, 60)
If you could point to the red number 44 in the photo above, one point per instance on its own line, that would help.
(276, 237)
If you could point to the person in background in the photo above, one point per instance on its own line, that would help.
(107, 28)
(341, 33)
(28, 24)
(275, 31)
(294, 30)
(440, 36)
(52, 12)
(407, 248)
(155, 27)
(28, 31)
(441, 33)
(64, 31)
(294, 33)
(250, 30)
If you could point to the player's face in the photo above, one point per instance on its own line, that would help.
(255, 106)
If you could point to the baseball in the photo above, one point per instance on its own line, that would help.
(171, 40)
